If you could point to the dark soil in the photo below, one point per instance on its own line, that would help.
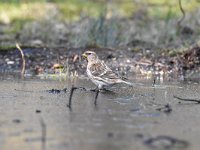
(124, 62)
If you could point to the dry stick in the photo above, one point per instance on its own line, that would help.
(23, 60)
(43, 138)
(188, 100)
(70, 97)
(183, 12)
(71, 94)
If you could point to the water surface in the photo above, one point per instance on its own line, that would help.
(136, 118)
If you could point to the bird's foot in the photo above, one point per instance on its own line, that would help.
(94, 90)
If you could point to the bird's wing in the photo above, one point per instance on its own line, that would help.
(101, 70)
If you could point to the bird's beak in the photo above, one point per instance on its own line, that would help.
(84, 55)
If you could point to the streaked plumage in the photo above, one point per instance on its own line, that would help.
(99, 73)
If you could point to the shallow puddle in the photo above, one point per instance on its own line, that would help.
(140, 117)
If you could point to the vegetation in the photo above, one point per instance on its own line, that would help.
(96, 22)
(13, 10)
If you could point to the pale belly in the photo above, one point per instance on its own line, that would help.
(100, 84)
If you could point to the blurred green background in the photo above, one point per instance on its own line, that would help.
(72, 10)
(108, 23)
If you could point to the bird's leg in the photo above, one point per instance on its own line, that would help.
(97, 90)
(96, 96)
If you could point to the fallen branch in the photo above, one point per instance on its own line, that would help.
(23, 59)
(188, 100)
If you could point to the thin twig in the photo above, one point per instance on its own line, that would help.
(23, 59)
(70, 97)
(43, 138)
(183, 12)
(23, 90)
(188, 100)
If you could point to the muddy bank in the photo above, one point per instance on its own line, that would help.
(50, 60)
(68, 61)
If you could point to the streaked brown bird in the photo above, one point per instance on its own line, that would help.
(99, 73)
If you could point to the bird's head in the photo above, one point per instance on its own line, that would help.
(90, 56)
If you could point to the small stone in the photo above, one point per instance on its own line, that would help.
(38, 111)
(10, 62)
(17, 121)
(110, 134)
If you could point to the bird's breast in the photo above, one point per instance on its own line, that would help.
(89, 73)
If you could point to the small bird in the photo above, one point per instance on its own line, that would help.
(99, 73)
